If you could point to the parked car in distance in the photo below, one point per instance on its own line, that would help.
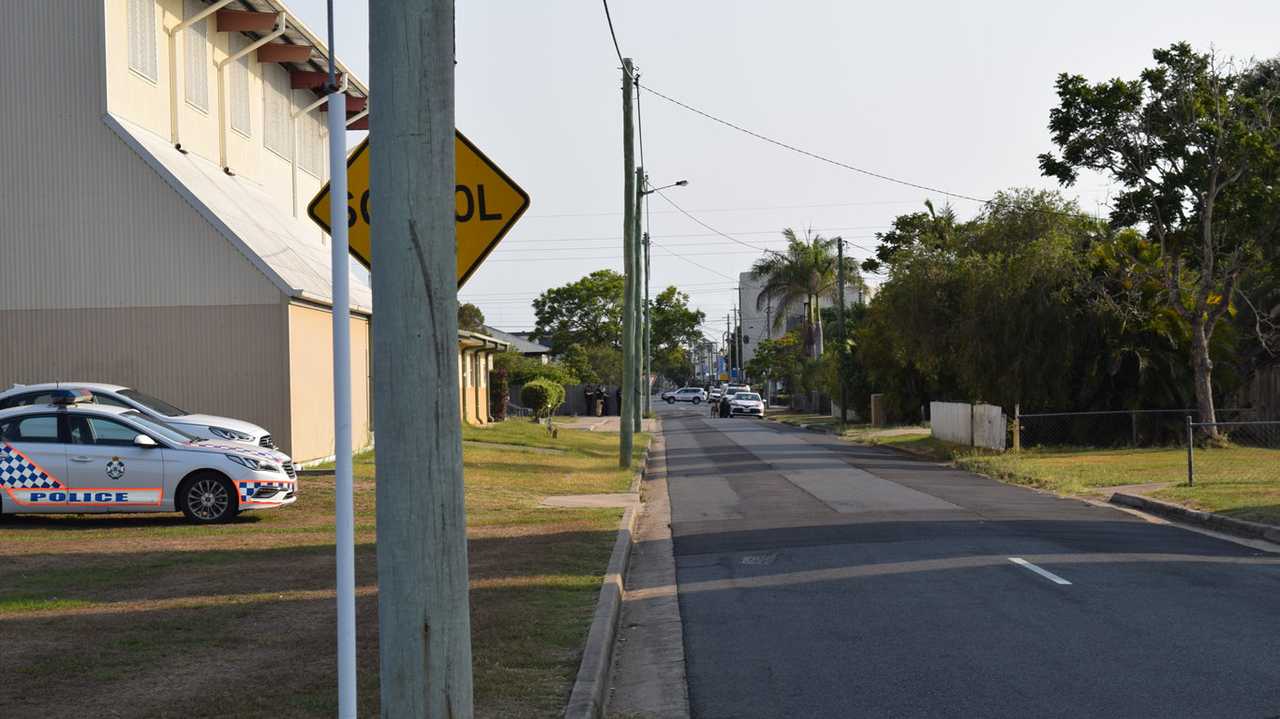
(732, 389)
(75, 455)
(696, 395)
(716, 393)
(113, 395)
(746, 404)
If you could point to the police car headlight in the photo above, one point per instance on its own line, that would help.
(253, 464)
(230, 434)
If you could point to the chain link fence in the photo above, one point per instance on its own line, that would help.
(1239, 453)
(1113, 428)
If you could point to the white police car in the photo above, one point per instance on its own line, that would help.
(747, 404)
(201, 425)
(77, 456)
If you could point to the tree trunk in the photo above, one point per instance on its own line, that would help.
(817, 324)
(1203, 368)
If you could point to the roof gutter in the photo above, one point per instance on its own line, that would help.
(173, 66)
(282, 24)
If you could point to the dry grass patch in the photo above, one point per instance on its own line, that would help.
(97, 612)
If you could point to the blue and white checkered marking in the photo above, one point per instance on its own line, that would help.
(247, 490)
(18, 472)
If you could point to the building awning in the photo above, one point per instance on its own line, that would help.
(474, 340)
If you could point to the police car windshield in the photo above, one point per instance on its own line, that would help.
(155, 405)
(163, 429)
(747, 397)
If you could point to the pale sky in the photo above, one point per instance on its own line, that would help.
(944, 94)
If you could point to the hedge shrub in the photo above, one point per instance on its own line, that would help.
(542, 396)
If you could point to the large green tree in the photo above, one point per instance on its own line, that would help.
(673, 328)
(1194, 143)
(585, 312)
(470, 318)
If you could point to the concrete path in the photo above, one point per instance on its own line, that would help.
(821, 579)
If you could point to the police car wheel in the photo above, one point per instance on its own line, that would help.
(208, 498)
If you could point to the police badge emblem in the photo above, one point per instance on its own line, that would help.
(115, 468)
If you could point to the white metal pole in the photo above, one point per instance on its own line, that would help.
(344, 503)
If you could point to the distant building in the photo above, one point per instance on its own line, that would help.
(763, 323)
(521, 343)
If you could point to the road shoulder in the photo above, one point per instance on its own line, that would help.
(648, 678)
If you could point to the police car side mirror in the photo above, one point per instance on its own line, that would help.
(143, 440)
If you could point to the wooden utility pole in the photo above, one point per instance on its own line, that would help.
(424, 624)
(844, 339)
(642, 378)
(648, 323)
(626, 428)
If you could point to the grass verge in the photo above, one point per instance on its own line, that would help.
(98, 611)
(1239, 482)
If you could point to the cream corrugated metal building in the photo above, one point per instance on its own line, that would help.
(156, 233)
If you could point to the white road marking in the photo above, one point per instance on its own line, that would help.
(1038, 570)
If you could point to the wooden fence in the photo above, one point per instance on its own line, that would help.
(974, 425)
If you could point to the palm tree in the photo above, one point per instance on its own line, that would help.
(797, 279)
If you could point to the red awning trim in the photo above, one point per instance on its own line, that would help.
(310, 79)
(244, 21)
(279, 52)
(354, 104)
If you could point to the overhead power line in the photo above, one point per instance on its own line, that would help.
(814, 155)
(756, 208)
(609, 18)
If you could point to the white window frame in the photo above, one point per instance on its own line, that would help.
(143, 60)
(196, 70)
(241, 80)
(311, 144)
(285, 98)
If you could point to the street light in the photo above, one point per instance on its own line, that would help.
(647, 357)
(678, 183)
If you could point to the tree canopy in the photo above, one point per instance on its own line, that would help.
(1194, 143)
(586, 312)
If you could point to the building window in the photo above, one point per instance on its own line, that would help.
(240, 87)
(195, 41)
(311, 142)
(142, 38)
(276, 109)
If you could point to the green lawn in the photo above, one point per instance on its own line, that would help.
(168, 604)
(1241, 482)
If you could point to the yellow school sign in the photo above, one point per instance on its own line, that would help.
(486, 204)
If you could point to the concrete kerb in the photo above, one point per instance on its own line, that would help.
(590, 688)
(1208, 520)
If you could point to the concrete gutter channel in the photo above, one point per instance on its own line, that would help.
(591, 687)
(1208, 520)
(1167, 510)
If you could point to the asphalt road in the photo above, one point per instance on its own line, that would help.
(822, 579)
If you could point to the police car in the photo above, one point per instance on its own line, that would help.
(200, 425)
(747, 404)
(77, 456)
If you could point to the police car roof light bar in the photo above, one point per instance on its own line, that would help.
(71, 396)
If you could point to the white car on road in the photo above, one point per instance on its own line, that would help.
(696, 395)
(746, 404)
(113, 395)
(77, 456)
